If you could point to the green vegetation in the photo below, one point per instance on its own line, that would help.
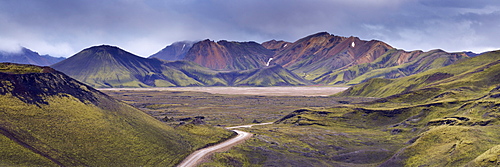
(11, 68)
(61, 122)
(393, 64)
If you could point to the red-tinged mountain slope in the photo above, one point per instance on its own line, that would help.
(322, 52)
(275, 45)
(225, 55)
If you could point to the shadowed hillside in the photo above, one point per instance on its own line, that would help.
(50, 119)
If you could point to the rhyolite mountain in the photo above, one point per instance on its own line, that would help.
(50, 119)
(27, 56)
(229, 55)
(175, 51)
(109, 66)
(322, 58)
(322, 52)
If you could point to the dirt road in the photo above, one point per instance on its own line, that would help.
(196, 157)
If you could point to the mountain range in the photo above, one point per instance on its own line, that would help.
(26, 56)
(317, 59)
(109, 66)
(321, 58)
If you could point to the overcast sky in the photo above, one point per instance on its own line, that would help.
(143, 27)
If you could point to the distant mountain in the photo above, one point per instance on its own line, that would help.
(393, 64)
(50, 119)
(176, 51)
(26, 56)
(321, 53)
(225, 55)
(109, 66)
(472, 54)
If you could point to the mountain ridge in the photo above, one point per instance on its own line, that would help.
(27, 56)
(108, 66)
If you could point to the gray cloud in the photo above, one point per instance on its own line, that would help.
(61, 27)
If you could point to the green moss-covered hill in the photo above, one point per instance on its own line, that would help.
(393, 64)
(108, 66)
(50, 119)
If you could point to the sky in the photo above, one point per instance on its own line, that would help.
(143, 27)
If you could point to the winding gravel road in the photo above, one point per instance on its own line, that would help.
(196, 157)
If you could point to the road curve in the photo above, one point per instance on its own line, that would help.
(195, 158)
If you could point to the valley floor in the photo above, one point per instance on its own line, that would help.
(264, 91)
(174, 105)
(325, 130)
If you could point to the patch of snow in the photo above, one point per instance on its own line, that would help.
(183, 46)
(353, 44)
(285, 45)
(269, 61)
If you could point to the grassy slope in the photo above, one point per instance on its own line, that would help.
(393, 64)
(93, 130)
(464, 73)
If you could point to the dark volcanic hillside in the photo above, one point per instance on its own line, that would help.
(176, 51)
(225, 55)
(27, 56)
(50, 119)
(108, 66)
